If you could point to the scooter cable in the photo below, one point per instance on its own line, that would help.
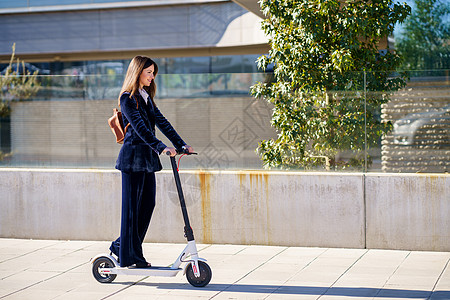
(178, 166)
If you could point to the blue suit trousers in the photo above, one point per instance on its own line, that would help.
(138, 203)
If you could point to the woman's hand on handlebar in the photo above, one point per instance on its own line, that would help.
(171, 150)
(189, 149)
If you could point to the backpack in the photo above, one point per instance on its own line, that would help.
(116, 125)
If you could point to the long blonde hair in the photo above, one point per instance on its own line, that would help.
(131, 81)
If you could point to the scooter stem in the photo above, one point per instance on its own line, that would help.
(188, 233)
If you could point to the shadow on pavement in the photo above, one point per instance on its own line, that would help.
(309, 290)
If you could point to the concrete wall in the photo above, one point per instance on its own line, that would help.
(269, 208)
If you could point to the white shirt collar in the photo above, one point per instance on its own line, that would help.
(144, 95)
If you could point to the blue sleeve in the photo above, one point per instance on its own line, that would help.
(129, 110)
(167, 129)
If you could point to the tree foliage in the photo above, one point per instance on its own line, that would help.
(425, 42)
(320, 50)
(15, 86)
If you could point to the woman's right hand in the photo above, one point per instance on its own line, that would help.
(172, 151)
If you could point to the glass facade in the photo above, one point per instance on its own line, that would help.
(65, 123)
(172, 65)
(37, 3)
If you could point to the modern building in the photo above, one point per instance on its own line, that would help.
(206, 52)
(185, 36)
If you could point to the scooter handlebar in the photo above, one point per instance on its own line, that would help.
(182, 151)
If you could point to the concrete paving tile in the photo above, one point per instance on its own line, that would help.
(161, 287)
(4, 290)
(299, 261)
(300, 290)
(227, 295)
(366, 275)
(245, 260)
(217, 259)
(383, 257)
(71, 245)
(412, 280)
(423, 259)
(378, 274)
(264, 251)
(444, 280)
(85, 295)
(316, 277)
(352, 291)
(343, 253)
(423, 266)
(367, 281)
(276, 277)
(99, 246)
(187, 289)
(60, 264)
(41, 295)
(25, 279)
(102, 288)
(390, 265)
(299, 252)
(63, 281)
(330, 262)
(282, 292)
(27, 245)
(8, 253)
(241, 264)
(223, 249)
(268, 282)
(227, 275)
(276, 267)
(30, 260)
(7, 242)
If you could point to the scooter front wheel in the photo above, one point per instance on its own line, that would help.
(100, 263)
(205, 275)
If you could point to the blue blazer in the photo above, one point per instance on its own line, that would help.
(140, 150)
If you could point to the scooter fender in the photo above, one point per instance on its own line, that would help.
(189, 263)
(116, 264)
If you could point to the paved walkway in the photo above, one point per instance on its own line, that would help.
(35, 269)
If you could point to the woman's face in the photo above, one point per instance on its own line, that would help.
(147, 76)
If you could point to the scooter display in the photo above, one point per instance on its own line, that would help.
(105, 267)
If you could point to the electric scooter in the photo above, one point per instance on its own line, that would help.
(105, 267)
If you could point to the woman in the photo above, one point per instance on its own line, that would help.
(139, 158)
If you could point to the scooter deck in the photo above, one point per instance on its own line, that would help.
(152, 271)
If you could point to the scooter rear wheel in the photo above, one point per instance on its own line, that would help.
(205, 275)
(100, 263)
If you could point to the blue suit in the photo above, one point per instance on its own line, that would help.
(138, 160)
(141, 149)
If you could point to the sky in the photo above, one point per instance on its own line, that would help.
(398, 29)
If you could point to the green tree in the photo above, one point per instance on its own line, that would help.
(425, 41)
(320, 50)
